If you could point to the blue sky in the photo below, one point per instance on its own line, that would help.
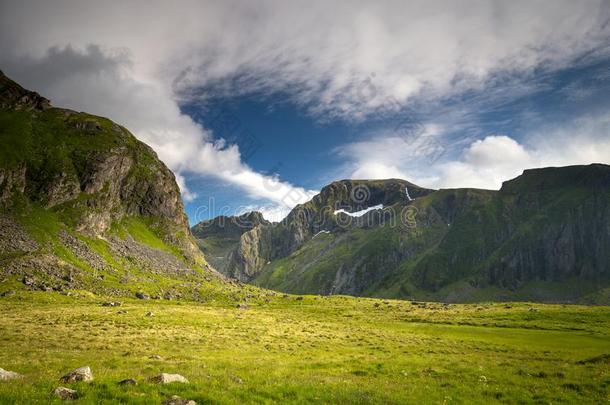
(461, 93)
(279, 136)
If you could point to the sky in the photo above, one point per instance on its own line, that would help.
(259, 104)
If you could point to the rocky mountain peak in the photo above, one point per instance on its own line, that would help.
(12, 95)
(85, 168)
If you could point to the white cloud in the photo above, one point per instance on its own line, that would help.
(271, 212)
(101, 82)
(484, 163)
(342, 58)
(377, 170)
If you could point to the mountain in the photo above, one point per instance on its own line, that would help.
(218, 237)
(84, 205)
(543, 236)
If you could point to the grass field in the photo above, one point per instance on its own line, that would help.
(291, 350)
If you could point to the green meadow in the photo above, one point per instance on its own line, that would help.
(287, 349)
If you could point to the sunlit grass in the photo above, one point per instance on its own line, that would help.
(282, 349)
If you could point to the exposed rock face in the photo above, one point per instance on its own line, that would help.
(218, 237)
(87, 166)
(12, 181)
(232, 226)
(269, 242)
(548, 226)
(14, 96)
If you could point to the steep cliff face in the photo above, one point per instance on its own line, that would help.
(219, 237)
(270, 242)
(545, 235)
(86, 166)
(567, 211)
(85, 196)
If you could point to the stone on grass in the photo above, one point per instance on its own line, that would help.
(165, 378)
(155, 357)
(142, 296)
(80, 374)
(65, 393)
(128, 381)
(176, 400)
(6, 375)
(149, 313)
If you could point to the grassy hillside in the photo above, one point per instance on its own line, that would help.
(543, 237)
(87, 208)
(300, 350)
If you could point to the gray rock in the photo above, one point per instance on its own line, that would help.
(149, 313)
(156, 357)
(112, 304)
(65, 393)
(142, 296)
(128, 381)
(165, 378)
(176, 400)
(80, 374)
(6, 375)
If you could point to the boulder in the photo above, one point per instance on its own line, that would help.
(176, 400)
(128, 381)
(6, 375)
(80, 374)
(165, 378)
(65, 393)
(142, 296)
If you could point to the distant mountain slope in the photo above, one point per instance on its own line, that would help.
(266, 243)
(85, 206)
(218, 237)
(544, 236)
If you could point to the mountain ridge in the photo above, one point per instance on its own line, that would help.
(85, 206)
(548, 226)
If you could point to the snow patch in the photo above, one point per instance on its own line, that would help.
(320, 233)
(359, 213)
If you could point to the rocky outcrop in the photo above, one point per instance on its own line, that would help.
(266, 243)
(84, 205)
(228, 226)
(86, 166)
(65, 394)
(219, 237)
(12, 182)
(16, 97)
(80, 374)
(549, 228)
